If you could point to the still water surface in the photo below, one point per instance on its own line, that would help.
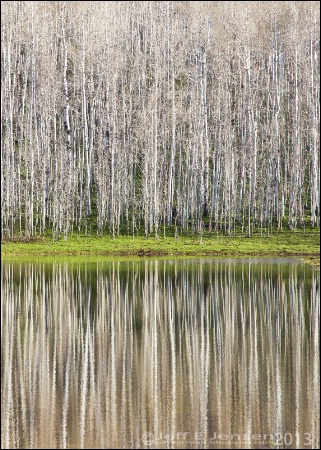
(160, 354)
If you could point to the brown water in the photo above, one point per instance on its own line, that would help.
(160, 354)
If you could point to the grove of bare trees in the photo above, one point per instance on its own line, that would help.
(127, 116)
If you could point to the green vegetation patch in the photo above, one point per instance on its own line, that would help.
(314, 261)
(284, 243)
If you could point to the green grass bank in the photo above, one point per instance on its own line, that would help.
(285, 243)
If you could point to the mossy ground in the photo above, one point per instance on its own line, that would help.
(285, 243)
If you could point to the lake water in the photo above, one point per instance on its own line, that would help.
(160, 354)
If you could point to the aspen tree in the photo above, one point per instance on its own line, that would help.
(127, 116)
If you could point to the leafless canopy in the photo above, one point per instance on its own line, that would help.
(142, 115)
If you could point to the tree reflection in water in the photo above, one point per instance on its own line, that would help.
(98, 354)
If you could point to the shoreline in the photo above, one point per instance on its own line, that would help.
(286, 243)
(150, 253)
(311, 259)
